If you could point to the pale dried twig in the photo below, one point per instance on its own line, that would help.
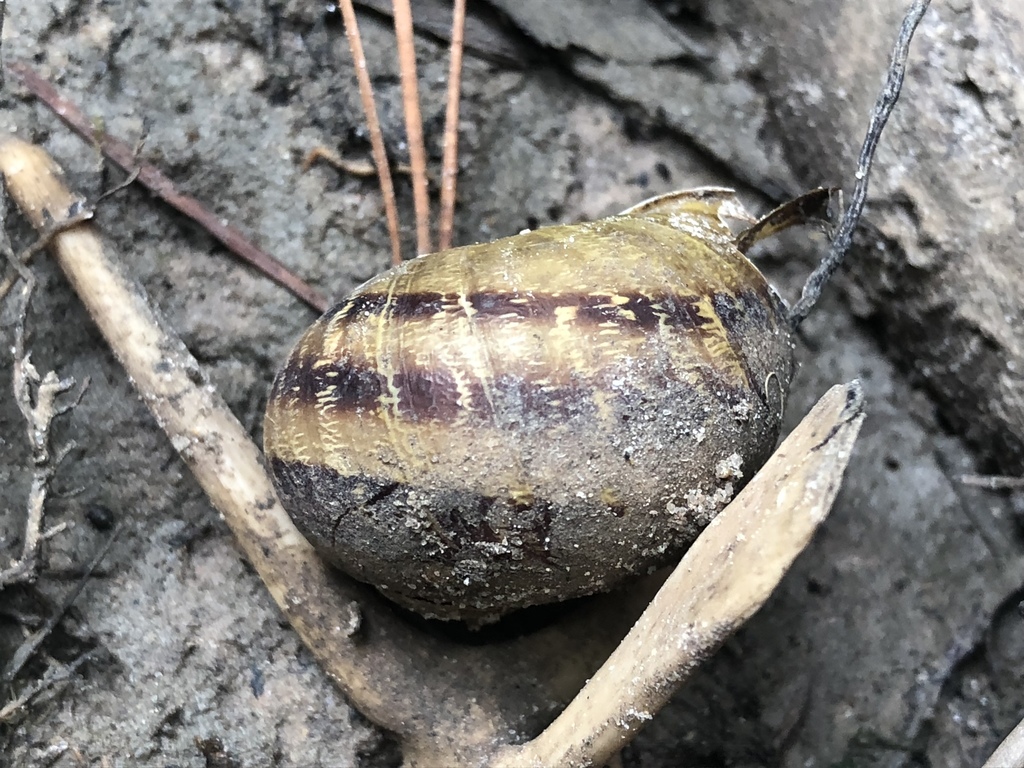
(360, 168)
(36, 397)
(994, 482)
(1010, 753)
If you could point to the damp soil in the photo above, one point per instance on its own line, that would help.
(894, 641)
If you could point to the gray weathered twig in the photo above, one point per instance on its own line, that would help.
(851, 217)
(37, 399)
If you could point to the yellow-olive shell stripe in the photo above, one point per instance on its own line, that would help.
(337, 405)
(620, 255)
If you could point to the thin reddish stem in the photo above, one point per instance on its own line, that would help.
(413, 122)
(380, 158)
(449, 164)
(121, 154)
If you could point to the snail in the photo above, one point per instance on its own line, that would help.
(541, 417)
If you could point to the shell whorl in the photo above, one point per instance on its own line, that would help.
(535, 418)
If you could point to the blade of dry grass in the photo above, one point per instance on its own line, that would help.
(450, 160)
(413, 123)
(380, 156)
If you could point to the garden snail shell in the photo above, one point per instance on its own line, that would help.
(537, 418)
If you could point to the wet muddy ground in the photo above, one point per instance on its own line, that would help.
(895, 640)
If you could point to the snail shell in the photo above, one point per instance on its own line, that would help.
(537, 418)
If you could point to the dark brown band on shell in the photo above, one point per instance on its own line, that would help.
(432, 394)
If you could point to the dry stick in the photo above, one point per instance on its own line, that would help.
(884, 105)
(156, 182)
(380, 156)
(413, 123)
(1010, 753)
(360, 168)
(450, 159)
(721, 581)
(39, 416)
